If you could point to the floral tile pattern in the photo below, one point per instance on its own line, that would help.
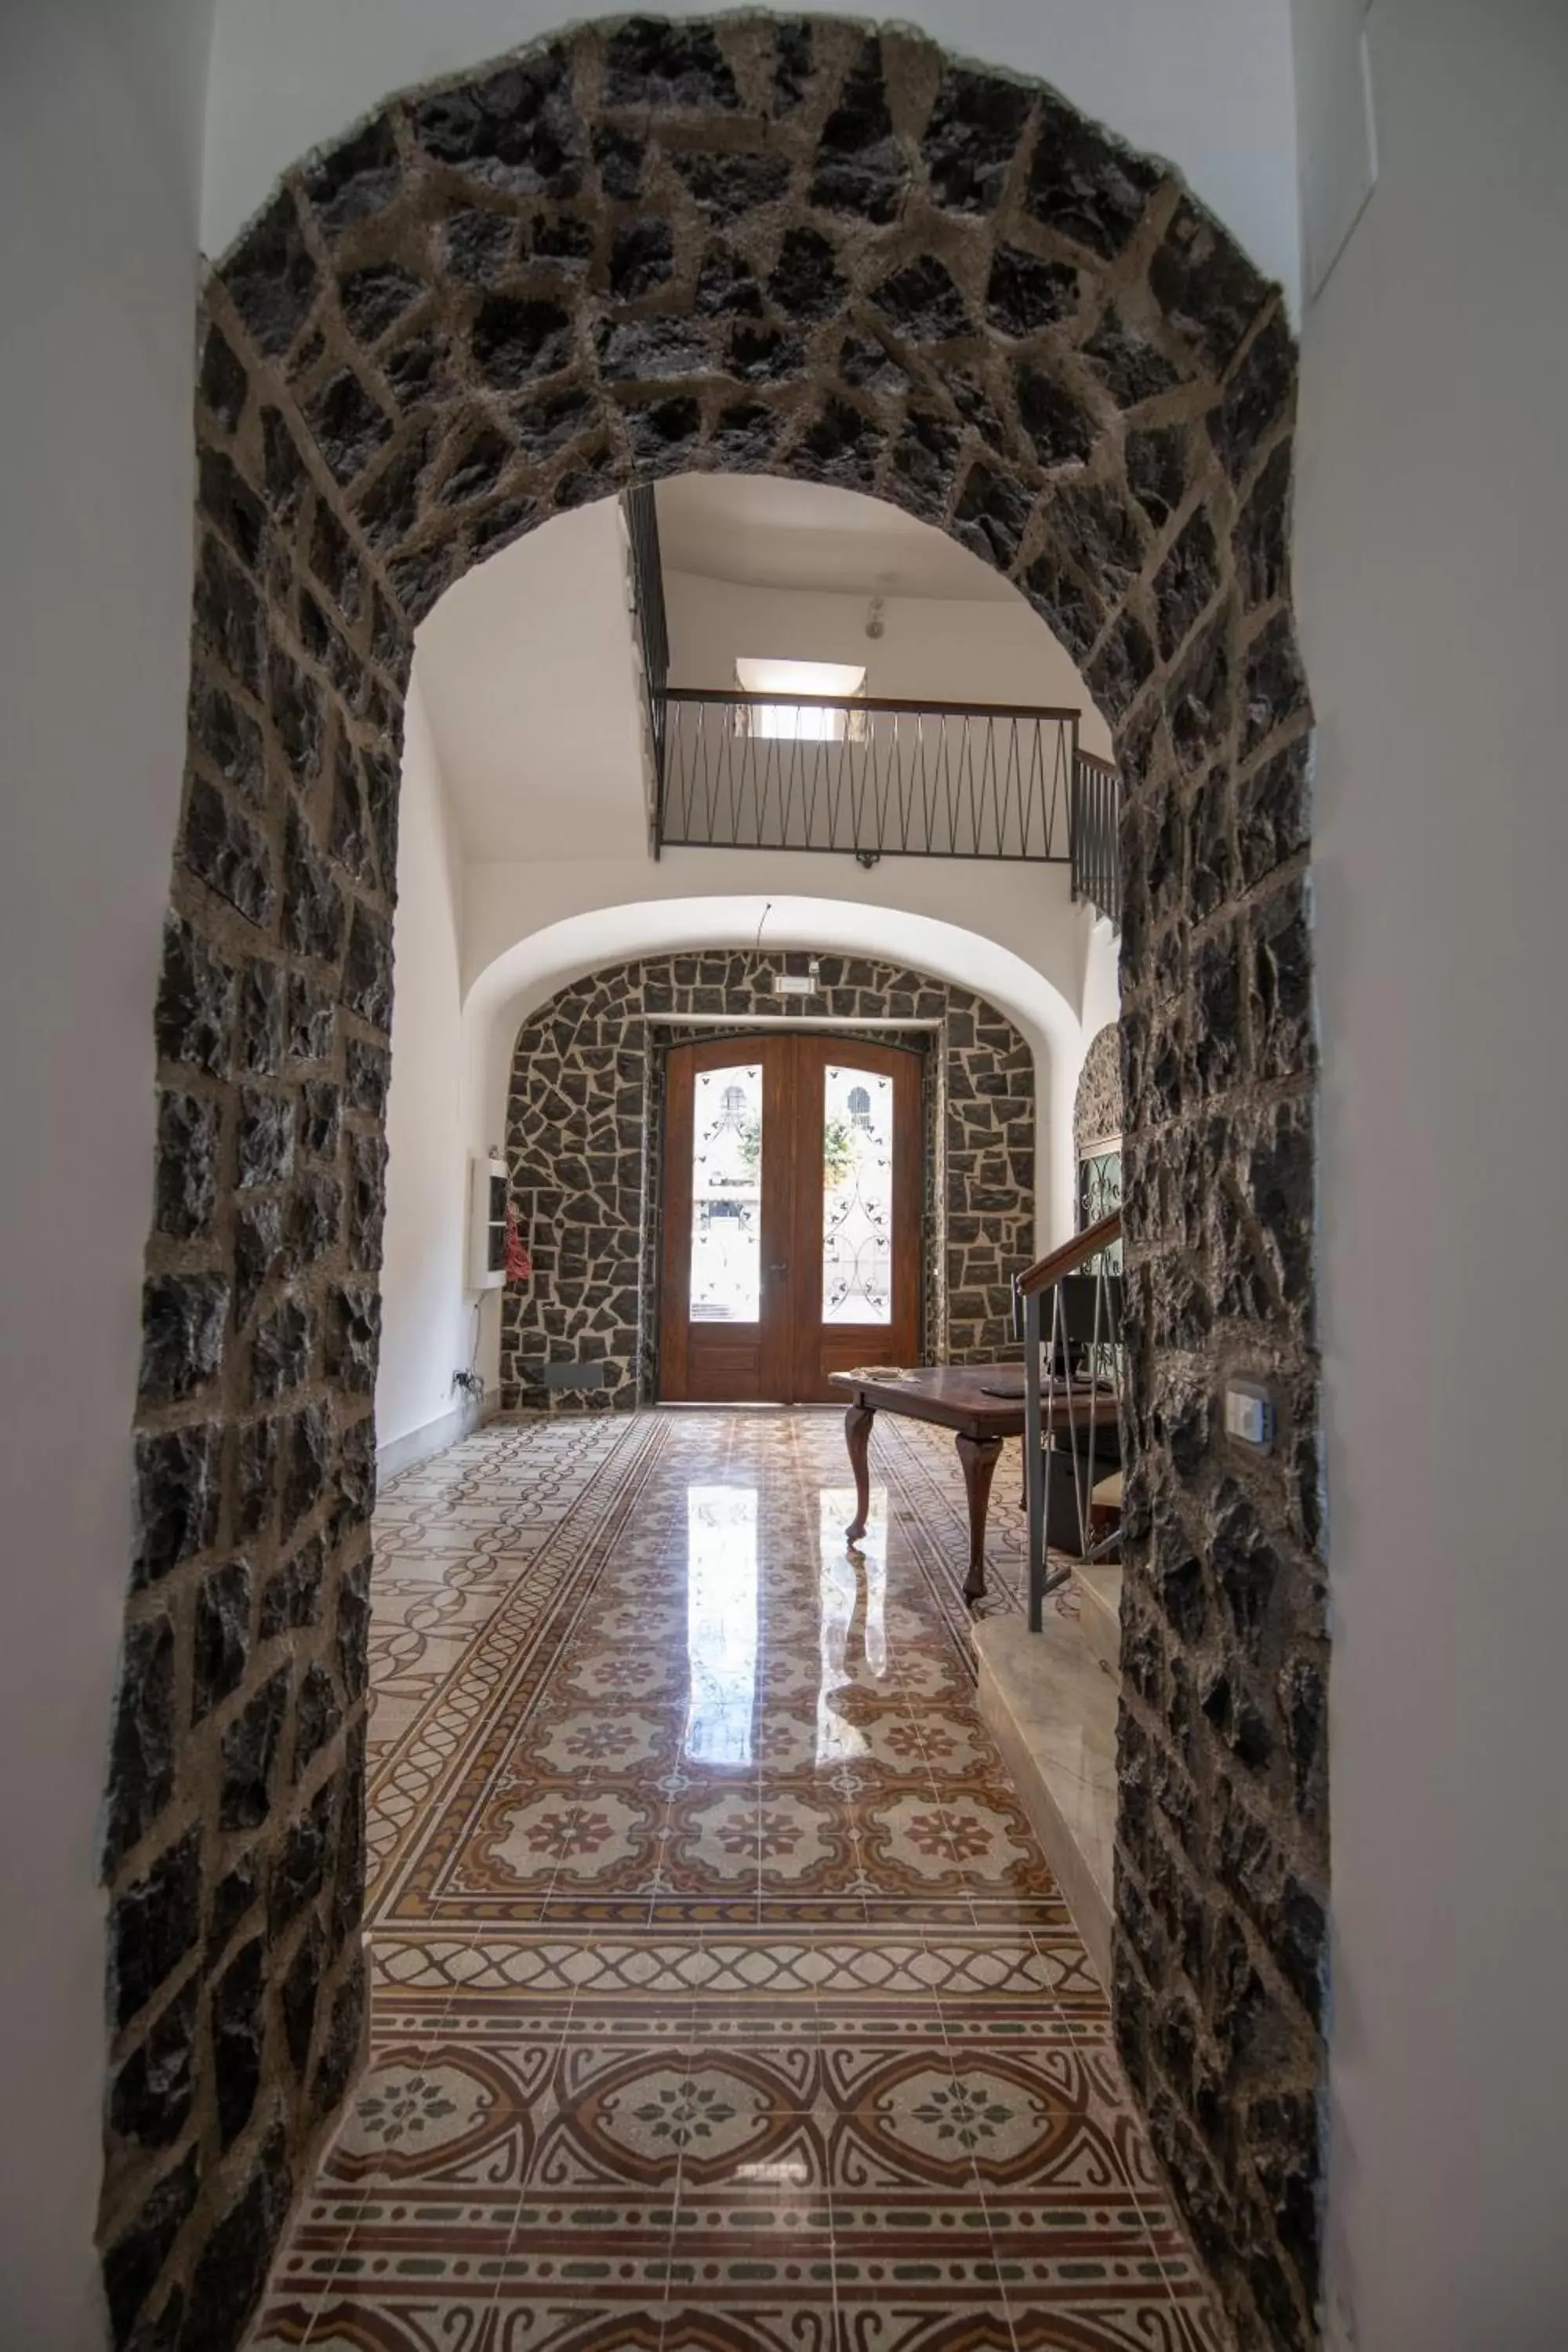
(723, 1998)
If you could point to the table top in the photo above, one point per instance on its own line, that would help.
(954, 1396)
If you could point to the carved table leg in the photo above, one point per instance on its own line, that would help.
(978, 1457)
(857, 1437)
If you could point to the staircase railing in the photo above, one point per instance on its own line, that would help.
(875, 777)
(1096, 830)
(1073, 1382)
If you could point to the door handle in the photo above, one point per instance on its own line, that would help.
(779, 1265)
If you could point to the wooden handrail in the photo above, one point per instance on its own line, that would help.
(874, 702)
(1071, 1255)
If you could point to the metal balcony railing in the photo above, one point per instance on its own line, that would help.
(876, 778)
(871, 777)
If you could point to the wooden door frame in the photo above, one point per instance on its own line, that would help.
(723, 1052)
(788, 1231)
(816, 1050)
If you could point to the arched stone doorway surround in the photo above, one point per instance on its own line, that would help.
(755, 244)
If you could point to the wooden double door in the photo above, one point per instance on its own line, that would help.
(792, 1216)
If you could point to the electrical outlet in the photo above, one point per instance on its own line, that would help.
(1249, 1415)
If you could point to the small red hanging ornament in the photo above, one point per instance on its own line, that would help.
(519, 1265)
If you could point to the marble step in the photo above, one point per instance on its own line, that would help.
(1050, 1701)
(1099, 1592)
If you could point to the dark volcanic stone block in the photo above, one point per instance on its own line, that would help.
(149, 2095)
(314, 1219)
(231, 506)
(1186, 580)
(229, 737)
(860, 166)
(257, 1250)
(1127, 362)
(991, 514)
(349, 424)
(301, 1869)
(133, 2261)
(152, 1925)
(294, 705)
(227, 852)
(353, 1337)
(726, 186)
(356, 179)
(320, 1119)
(1157, 471)
(516, 130)
(250, 1754)
(972, 137)
(307, 1461)
(318, 1716)
(176, 1498)
(1062, 433)
(842, 446)
(367, 1203)
(368, 1071)
(141, 1747)
(239, 2034)
(231, 2271)
(1084, 183)
(515, 339)
(806, 281)
(343, 2041)
(221, 382)
(619, 154)
(195, 1000)
(652, 65)
(373, 299)
(1023, 293)
(367, 968)
(313, 912)
(922, 302)
(1206, 285)
(265, 1137)
(271, 279)
(353, 1626)
(281, 1351)
(220, 1636)
(189, 1129)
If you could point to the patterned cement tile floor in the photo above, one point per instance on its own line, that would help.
(723, 1998)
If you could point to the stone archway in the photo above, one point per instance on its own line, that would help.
(755, 244)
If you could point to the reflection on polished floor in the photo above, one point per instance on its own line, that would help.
(723, 1997)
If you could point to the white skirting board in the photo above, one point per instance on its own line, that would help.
(418, 1445)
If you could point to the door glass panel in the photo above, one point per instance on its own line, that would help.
(727, 1195)
(857, 1198)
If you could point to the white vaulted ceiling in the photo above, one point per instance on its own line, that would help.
(763, 532)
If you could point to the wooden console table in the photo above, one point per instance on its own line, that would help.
(953, 1396)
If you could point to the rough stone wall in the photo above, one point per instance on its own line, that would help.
(754, 243)
(1096, 1106)
(585, 1124)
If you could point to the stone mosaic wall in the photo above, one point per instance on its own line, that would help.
(1097, 1110)
(584, 1126)
(798, 246)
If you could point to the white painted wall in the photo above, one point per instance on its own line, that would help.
(427, 1312)
(1205, 83)
(955, 650)
(1432, 519)
(100, 136)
